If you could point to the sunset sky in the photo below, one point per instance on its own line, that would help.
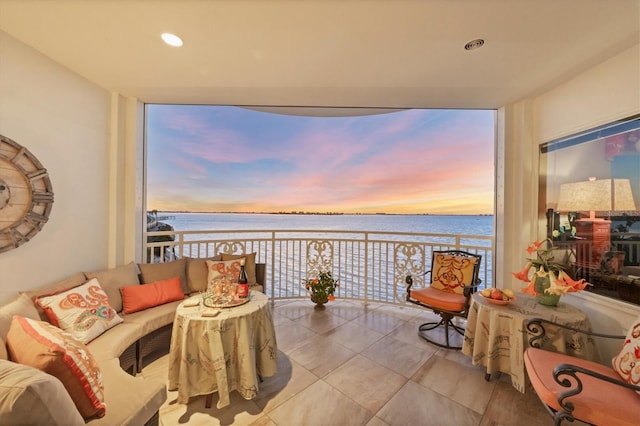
(229, 159)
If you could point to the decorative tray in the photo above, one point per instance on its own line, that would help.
(499, 302)
(213, 302)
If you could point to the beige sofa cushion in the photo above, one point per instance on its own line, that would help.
(152, 272)
(112, 279)
(115, 341)
(29, 396)
(64, 285)
(23, 306)
(132, 401)
(197, 273)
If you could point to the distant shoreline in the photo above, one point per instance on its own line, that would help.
(302, 213)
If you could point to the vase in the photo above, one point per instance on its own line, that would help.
(540, 285)
(319, 301)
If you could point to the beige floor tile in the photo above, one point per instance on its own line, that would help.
(408, 333)
(346, 309)
(382, 322)
(401, 312)
(398, 356)
(354, 336)
(263, 421)
(292, 335)
(320, 321)
(366, 382)
(417, 405)
(510, 407)
(240, 411)
(457, 382)
(291, 379)
(377, 421)
(321, 355)
(293, 310)
(320, 404)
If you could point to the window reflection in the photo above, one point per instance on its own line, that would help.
(590, 196)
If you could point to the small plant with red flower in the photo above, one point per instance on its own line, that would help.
(321, 287)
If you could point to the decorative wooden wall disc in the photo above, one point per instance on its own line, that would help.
(26, 195)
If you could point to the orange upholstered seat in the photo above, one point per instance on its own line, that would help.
(599, 402)
(432, 297)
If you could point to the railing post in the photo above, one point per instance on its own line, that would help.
(366, 268)
(273, 264)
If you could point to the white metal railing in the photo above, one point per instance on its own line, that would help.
(371, 266)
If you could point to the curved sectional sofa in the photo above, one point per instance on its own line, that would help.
(31, 396)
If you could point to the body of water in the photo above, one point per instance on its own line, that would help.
(434, 224)
(289, 268)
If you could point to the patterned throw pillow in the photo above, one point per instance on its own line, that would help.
(83, 311)
(627, 361)
(229, 269)
(40, 345)
(451, 273)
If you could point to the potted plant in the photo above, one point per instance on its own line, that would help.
(321, 288)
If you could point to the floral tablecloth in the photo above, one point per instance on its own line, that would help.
(222, 353)
(495, 336)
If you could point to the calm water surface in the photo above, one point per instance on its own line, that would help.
(467, 225)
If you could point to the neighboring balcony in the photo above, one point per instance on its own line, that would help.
(371, 266)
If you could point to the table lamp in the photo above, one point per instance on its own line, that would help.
(605, 195)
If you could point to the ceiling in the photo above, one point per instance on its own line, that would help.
(327, 53)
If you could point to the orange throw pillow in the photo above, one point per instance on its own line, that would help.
(40, 345)
(139, 297)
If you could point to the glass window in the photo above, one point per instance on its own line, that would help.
(589, 200)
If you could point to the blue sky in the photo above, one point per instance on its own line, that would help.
(230, 159)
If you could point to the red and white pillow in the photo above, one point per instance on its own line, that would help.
(627, 361)
(227, 269)
(43, 346)
(83, 311)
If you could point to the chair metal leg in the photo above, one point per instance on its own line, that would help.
(446, 322)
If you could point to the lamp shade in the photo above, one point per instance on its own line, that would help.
(596, 195)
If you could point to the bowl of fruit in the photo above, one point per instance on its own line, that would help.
(497, 296)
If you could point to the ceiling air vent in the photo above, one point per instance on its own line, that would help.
(474, 44)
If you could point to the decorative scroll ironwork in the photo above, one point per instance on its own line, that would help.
(319, 257)
(230, 247)
(409, 259)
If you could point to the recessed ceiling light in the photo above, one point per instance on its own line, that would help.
(474, 44)
(171, 39)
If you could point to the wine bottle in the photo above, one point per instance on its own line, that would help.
(243, 282)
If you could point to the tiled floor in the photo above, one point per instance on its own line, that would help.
(351, 365)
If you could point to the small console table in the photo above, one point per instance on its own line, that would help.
(496, 337)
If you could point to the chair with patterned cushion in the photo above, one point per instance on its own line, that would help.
(453, 279)
(571, 388)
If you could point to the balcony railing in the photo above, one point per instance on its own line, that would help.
(371, 266)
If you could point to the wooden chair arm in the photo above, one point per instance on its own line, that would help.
(537, 331)
(566, 375)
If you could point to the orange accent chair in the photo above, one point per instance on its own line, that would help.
(576, 389)
(453, 279)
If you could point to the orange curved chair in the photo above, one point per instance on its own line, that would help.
(571, 388)
(453, 279)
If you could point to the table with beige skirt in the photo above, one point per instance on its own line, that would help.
(495, 336)
(230, 351)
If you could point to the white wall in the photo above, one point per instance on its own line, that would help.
(64, 121)
(607, 92)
